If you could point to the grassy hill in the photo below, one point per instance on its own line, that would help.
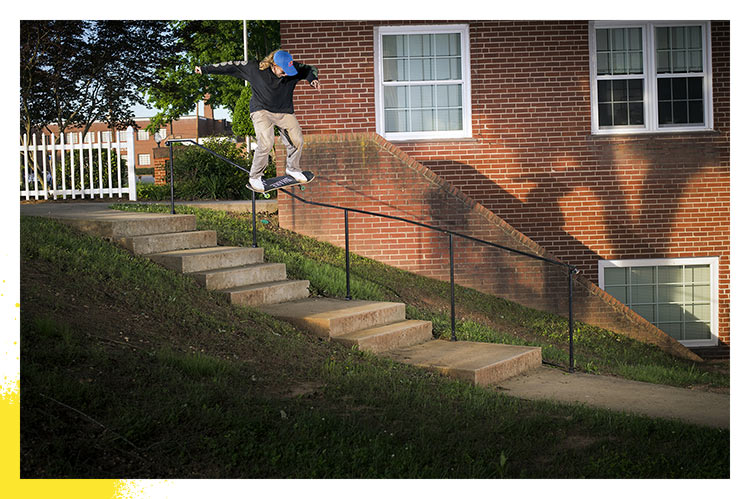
(129, 370)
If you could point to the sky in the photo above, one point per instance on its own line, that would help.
(146, 112)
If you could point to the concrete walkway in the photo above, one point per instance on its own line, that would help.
(543, 383)
(647, 399)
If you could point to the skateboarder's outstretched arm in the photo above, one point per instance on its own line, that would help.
(238, 69)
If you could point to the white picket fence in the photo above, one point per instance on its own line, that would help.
(42, 179)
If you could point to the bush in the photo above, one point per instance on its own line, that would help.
(201, 175)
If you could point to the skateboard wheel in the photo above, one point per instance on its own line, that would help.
(267, 195)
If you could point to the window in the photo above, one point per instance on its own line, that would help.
(679, 296)
(122, 135)
(107, 136)
(422, 82)
(650, 77)
(144, 159)
(143, 135)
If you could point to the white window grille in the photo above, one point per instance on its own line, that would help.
(650, 76)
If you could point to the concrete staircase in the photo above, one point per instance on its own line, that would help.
(245, 279)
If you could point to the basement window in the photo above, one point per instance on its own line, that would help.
(679, 296)
(422, 82)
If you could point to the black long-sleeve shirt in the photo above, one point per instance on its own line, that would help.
(269, 91)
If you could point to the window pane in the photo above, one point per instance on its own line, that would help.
(422, 120)
(670, 275)
(421, 96)
(679, 49)
(620, 113)
(619, 51)
(672, 329)
(676, 106)
(615, 276)
(671, 293)
(419, 45)
(642, 275)
(394, 97)
(394, 70)
(394, 45)
(697, 331)
(642, 294)
(448, 68)
(619, 292)
(449, 119)
(449, 95)
(448, 44)
(645, 311)
(395, 121)
(669, 312)
(699, 312)
(698, 274)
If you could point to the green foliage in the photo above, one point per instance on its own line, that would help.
(76, 72)
(152, 192)
(242, 124)
(177, 87)
(201, 175)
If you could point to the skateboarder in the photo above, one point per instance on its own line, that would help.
(273, 81)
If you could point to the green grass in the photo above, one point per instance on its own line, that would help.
(132, 371)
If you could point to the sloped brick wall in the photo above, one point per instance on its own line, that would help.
(366, 172)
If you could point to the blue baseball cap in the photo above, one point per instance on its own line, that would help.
(284, 61)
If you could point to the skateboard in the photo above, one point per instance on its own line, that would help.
(271, 184)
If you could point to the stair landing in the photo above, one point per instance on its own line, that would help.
(480, 363)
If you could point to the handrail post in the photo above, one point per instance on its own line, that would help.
(171, 177)
(255, 233)
(453, 291)
(348, 272)
(570, 318)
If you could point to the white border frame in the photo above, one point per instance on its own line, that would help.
(712, 261)
(463, 29)
(650, 111)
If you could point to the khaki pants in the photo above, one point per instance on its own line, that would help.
(291, 136)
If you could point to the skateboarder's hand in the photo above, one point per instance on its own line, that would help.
(198, 70)
(315, 84)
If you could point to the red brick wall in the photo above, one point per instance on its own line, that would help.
(532, 159)
(406, 189)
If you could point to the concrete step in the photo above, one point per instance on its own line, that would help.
(480, 363)
(233, 277)
(330, 318)
(391, 336)
(268, 293)
(199, 259)
(115, 225)
(159, 243)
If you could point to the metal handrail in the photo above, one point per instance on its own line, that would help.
(572, 270)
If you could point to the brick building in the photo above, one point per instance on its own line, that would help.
(602, 144)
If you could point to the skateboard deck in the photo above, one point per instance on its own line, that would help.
(271, 184)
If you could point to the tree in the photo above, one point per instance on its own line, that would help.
(76, 72)
(177, 88)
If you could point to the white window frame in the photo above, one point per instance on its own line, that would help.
(650, 95)
(712, 262)
(144, 159)
(463, 30)
(143, 135)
